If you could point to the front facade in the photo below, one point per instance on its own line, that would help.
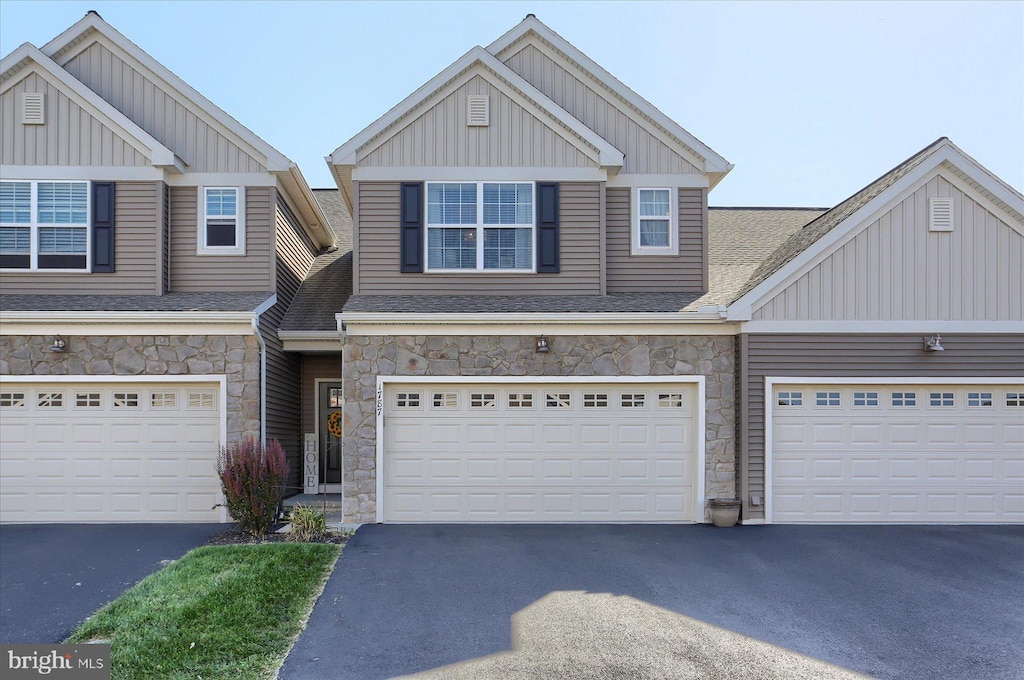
(518, 306)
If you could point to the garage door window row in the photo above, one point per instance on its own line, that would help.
(204, 400)
(450, 400)
(897, 399)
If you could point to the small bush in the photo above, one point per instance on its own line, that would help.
(308, 524)
(252, 477)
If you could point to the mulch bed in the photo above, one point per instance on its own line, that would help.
(235, 536)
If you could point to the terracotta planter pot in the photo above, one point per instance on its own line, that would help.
(725, 512)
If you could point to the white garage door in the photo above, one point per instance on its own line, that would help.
(540, 453)
(109, 452)
(925, 453)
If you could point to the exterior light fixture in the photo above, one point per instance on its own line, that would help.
(58, 344)
(542, 345)
(934, 343)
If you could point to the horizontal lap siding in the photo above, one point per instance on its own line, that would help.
(70, 136)
(193, 273)
(316, 366)
(869, 356)
(378, 251)
(137, 214)
(514, 137)
(124, 85)
(587, 101)
(656, 274)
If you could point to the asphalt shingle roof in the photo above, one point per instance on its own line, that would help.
(172, 302)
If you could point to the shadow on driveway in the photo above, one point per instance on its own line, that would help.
(888, 601)
(53, 576)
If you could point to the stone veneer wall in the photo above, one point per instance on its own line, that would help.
(236, 356)
(366, 357)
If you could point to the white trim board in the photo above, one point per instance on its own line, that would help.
(928, 327)
(478, 174)
(700, 416)
(769, 403)
(328, 488)
(550, 329)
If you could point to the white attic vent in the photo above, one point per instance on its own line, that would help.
(478, 110)
(940, 214)
(32, 110)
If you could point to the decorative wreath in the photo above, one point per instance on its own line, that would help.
(334, 423)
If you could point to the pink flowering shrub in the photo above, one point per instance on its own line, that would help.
(252, 477)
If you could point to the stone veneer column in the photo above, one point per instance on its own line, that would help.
(366, 357)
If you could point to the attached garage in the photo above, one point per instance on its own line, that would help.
(904, 451)
(82, 449)
(558, 451)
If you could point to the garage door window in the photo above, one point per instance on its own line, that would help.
(633, 400)
(941, 399)
(200, 401)
(482, 400)
(12, 399)
(126, 400)
(904, 398)
(1015, 398)
(791, 398)
(979, 398)
(520, 400)
(50, 400)
(827, 399)
(163, 400)
(595, 401)
(87, 400)
(407, 400)
(560, 400)
(865, 398)
(446, 400)
(670, 401)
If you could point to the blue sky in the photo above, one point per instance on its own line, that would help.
(810, 101)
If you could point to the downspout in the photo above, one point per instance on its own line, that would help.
(344, 400)
(257, 313)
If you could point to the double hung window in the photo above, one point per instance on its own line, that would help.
(44, 225)
(222, 224)
(480, 226)
(654, 223)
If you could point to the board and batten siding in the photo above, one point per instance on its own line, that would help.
(175, 124)
(193, 273)
(71, 135)
(852, 356)
(897, 269)
(378, 250)
(586, 101)
(138, 212)
(439, 136)
(295, 253)
(682, 273)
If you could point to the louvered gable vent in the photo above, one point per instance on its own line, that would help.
(940, 217)
(478, 110)
(32, 110)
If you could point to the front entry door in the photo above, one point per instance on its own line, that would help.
(330, 403)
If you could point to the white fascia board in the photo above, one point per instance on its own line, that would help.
(867, 327)
(743, 308)
(530, 317)
(137, 174)
(548, 328)
(689, 180)
(713, 161)
(310, 341)
(772, 381)
(607, 155)
(296, 192)
(158, 154)
(985, 177)
(7, 317)
(276, 161)
(478, 173)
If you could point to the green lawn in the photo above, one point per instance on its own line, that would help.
(218, 612)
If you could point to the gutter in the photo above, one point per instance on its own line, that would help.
(709, 315)
(72, 317)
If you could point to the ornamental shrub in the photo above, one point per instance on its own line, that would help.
(252, 477)
(308, 524)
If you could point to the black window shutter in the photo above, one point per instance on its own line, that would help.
(547, 228)
(103, 226)
(412, 227)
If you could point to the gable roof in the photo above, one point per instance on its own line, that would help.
(562, 122)
(713, 162)
(27, 58)
(806, 245)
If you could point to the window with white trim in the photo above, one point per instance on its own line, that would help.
(791, 399)
(940, 399)
(865, 398)
(44, 225)
(480, 226)
(222, 221)
(1015, 398)
(982, 399)
(826, 399)
(654, 222)
(904, 398)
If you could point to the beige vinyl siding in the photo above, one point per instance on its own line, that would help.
(587, 101)
(71, 135)
(137, 211)
(176, 124)
(685, 272)
(295, 254)
(896, 269)
(314, 367)
(192, 273)
(440, 137)
(981, 356)
(378, 251)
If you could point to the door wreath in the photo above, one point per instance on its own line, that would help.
(334, 423)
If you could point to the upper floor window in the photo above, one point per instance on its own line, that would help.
(654, 223)
(44, 225)
(222, 221)
(480, 226)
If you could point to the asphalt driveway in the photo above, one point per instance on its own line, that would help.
(658, 601)
(53, 576)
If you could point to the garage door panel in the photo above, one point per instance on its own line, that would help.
(110, 452)
(939, 460)
(573, 453)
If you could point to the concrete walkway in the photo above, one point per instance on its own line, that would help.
(669, 602)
